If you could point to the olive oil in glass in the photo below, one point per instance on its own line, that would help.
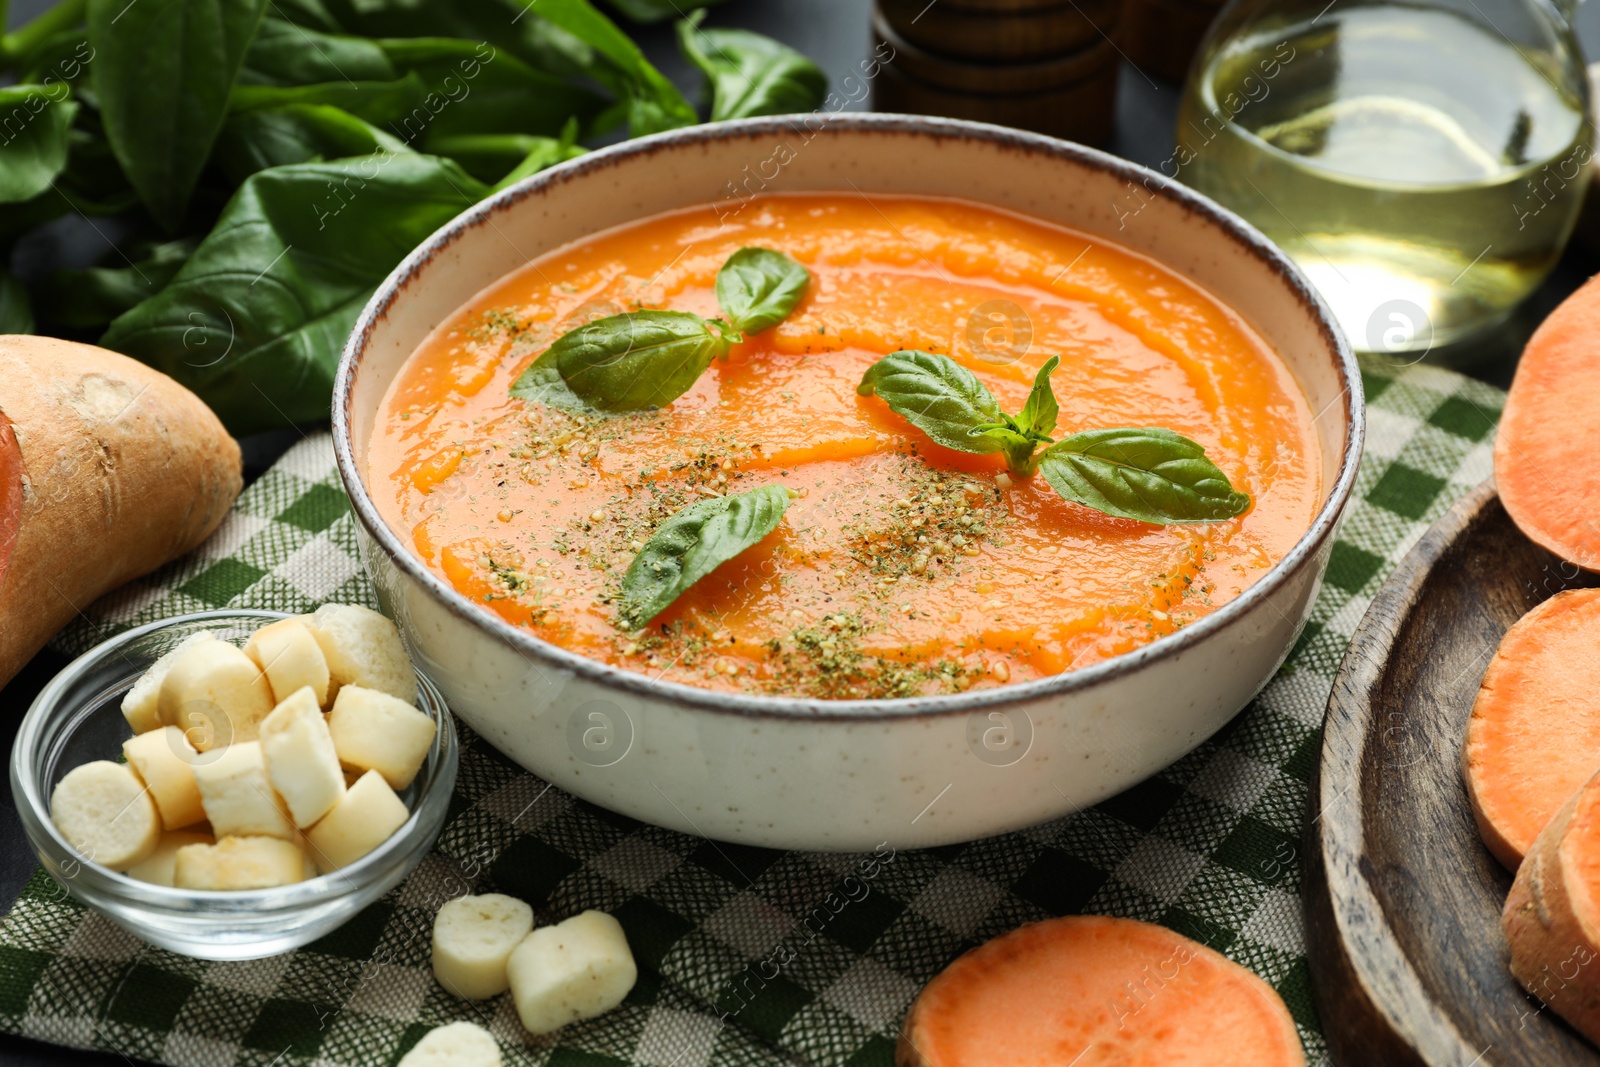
(1422, 167)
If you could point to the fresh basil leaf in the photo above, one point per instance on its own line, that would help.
(297, 133)
(542, 156)
(1010, 439)
(380, 103)
(1039, 412)
(255, 320)
(648, 11)
(749, 74)
(285, 53)
(162, 72)
(638, 359)
(312, 14)
(1143, 473)
(758, 288)
(693, 543)
(93, 180)
(88, 299)
(34, 120)
(938, 396)
(485, 156)
(494, 157)
(568, 38)
(502, 23)
(545, 153)
(62, 56)
(1006, 425)
(412, 53)
(654, 103)
(91, 184)
(16, 315)
(474, 88)
(542, 382)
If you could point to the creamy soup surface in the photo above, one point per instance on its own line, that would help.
(902, 568)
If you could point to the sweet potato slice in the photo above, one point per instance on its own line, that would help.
(1543, 459)
(1092, 992)
(108, 469)
(1534, 735)
(1552, 915)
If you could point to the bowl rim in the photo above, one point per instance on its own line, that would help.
(34, 809)
(787, 708)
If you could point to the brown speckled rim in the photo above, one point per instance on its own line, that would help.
(1301, 556)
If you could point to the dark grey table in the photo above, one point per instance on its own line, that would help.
(834, 33)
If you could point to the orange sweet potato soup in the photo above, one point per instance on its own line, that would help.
(900, 567)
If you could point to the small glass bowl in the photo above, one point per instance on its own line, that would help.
(78, 718)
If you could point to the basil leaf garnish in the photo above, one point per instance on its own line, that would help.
(1017, 446)
(940, 397)
(638, 359)
(691, 544)
(1143, 473)
(542, 381)
(1149, 474)
(1038, 415)
(758, 288)
(644, 359)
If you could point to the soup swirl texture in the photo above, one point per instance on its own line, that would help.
(901, 568)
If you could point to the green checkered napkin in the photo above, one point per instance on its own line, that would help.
(1209, 847)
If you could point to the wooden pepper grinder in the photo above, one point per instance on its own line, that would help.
(1160, 36)
(1044, 65)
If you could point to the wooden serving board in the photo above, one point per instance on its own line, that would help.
(1408, 962)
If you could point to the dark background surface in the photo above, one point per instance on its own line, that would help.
(835, 33)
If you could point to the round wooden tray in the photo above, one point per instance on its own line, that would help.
(1408, 962)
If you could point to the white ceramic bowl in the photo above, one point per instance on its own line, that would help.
(847, 775)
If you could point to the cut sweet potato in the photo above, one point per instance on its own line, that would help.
(1534, 736)
(1092, 992)
(108, 469)
(1552, 915)
(1542, 457)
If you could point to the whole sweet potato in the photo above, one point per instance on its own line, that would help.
(108, 469)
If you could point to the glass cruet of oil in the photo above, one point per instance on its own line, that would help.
(1423, 162)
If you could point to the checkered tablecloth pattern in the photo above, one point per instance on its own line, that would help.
(1209, 847)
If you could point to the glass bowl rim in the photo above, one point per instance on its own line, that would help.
(33, 808)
